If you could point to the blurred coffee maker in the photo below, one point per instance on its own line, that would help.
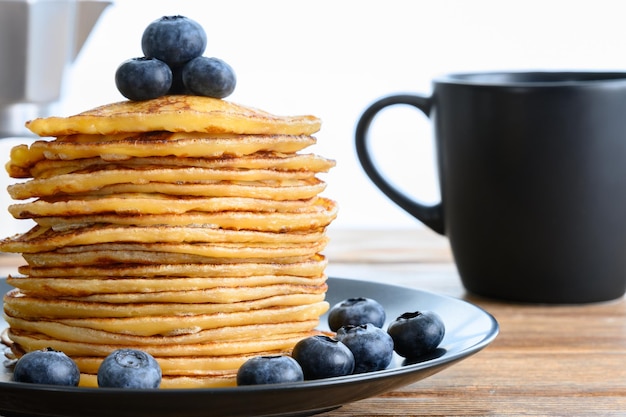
(39, 40)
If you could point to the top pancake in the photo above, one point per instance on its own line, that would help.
(175, 113)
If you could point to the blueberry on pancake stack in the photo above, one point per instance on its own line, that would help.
(185, 226)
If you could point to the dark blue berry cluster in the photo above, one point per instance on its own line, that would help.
(359, 345)
(173, 63)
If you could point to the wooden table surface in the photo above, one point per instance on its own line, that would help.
(547, 360)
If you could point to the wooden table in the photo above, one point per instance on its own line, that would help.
(547, 360)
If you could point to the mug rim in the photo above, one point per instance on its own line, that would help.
(533, 78)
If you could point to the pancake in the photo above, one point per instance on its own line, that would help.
(185, 372)
(310, 267)
(154, 144)
(94, 180)
(116, 256)
(176, 253)
(85, 286)
(312, 217)
(205, 297)
(155, 203)
(29, 341)
(140, 336)
(216, 300)
(238, 221)
(274, 190)
(176, 325)
(175, 113)
(43, 239)
(259, 160)
(281, 187)
(184, 366)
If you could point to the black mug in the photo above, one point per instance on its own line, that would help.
(532, 172)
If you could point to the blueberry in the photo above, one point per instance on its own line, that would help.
(143, 78)
(371, 346)
(323, 357)
(356, 311)
(269, 370)
(46, 366)
(416, 334)
(129, 368)
(210, 77)
(174, 40)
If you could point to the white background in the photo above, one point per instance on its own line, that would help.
(331, 58)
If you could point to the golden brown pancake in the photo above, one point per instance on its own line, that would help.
(44, 239)
(273, 190)
(116, 256)
(310, 267)
(176, 113)
(173, 325)
(29, 341)
(126, 204)
(157, 144)
(183, 302)
(259, 160)
(94, 180)
(309, 217)
(281, 187)
(189, 366)
(81, 286)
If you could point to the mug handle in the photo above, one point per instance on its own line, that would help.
(431, 216)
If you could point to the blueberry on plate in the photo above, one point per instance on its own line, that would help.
(272, 369)
(174, 40)
(46, 366)
(416, 333)
(210, 77)
(143, 78)
(371, 346)
(322, 356)
(356, 311)
(129, 368)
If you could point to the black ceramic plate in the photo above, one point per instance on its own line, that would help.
(468, 330)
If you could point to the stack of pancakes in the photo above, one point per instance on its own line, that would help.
(187, 227)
